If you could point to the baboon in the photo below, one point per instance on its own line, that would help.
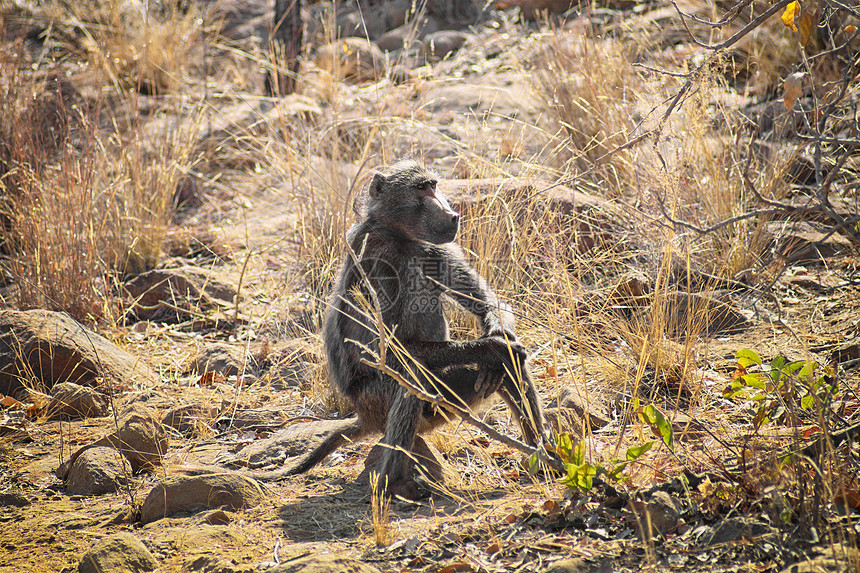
(405, 247)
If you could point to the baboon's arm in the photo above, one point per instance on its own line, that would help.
(463, 283)
(487, 352)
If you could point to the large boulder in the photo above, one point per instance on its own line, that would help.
(44, 348)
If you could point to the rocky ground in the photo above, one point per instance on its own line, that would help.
(126, 440)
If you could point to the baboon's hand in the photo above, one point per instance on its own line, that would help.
(488, 382)
(510, 352)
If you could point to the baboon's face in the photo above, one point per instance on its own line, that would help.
(407, 199)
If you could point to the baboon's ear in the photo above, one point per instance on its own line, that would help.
(376, 185)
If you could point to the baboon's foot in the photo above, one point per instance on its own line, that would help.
(412, 489)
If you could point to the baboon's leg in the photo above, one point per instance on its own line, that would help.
(400, 430)
(336, 439)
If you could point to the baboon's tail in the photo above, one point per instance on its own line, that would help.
(334, 440)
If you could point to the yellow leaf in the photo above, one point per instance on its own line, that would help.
(807, 25)
(788, 16)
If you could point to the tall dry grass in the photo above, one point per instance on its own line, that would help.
(87, 193)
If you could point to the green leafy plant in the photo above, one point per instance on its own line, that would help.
(781, 386)
(580, 473)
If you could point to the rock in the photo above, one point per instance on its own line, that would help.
(241, 19)
(13, 499)
(175, 295)
(835, 558)
(97, 471)
(215, 517)
(729, 530)
(188, 419)
(140, 438)
(630, 289)
(294, 440)
(120, 553)
(226, 359)
(323, 564)
(404, 35)
(797, 242)
(573, 565)
(252, 418)
(69, 400)
(289, 366)
(533, 10)
(432, 466)
(209, 564)
(845, 352)
(438, 45)
(584, 221)
(704, 313)
(657, 517)
(186, 494)
(573, 405)
(370, 21)
(355, 59)
(55, 348)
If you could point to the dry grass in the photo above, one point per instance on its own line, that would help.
(88, 197)
(84, 206)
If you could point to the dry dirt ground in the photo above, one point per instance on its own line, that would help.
(724, 499)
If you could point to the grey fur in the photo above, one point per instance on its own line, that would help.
(405, 247)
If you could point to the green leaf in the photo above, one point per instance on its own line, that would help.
(793, 367)
(807, 372)
(756, 380)
(660, 424)
(807, 402)
(578, 455)
(634, 452)
(778, 362)
(579, 476)
(565, 445)
(747, 357)
(533, 464)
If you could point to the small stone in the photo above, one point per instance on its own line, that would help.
(573, 565)
(188, 419)
(120, 553)
(140, 438)
(97, 471)
(355, 59)
(226, 359)
(186, 494)
(439, 45)
(656, 517)
(70, 400)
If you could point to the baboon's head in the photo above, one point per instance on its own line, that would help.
(403, 197)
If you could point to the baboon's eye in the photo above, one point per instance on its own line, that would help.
(426, 187)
